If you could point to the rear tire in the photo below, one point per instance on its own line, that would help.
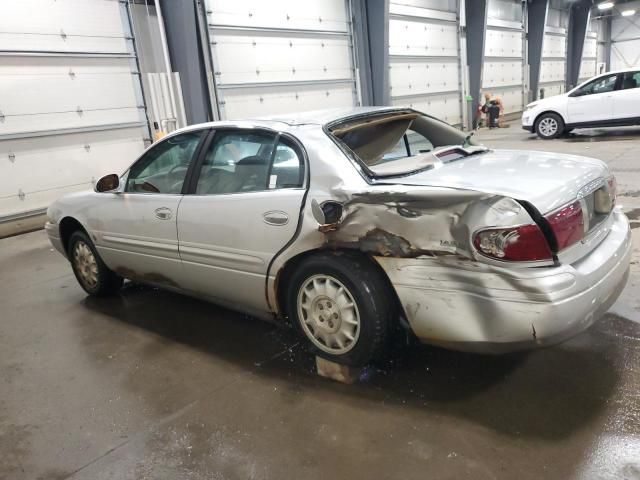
(549, 126)
(342, 306)
(92, 274)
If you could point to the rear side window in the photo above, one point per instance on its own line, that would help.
(248, 161)
(630, 80)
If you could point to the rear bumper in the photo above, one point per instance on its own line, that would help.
(468, 306)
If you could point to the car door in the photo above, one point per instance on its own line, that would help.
(136, 232)
(244, 208)
(593, 102)
(626, 99)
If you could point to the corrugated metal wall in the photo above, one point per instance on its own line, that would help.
(71, 108)
(281, 56)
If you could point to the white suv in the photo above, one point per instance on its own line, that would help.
(608, 100)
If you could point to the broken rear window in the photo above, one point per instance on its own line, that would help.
(401, 142)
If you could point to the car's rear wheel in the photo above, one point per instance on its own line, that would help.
(549, 125)
(342, 306)
(90, 271)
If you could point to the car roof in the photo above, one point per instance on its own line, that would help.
(287, 121)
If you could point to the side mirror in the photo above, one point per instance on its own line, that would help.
(108, 183)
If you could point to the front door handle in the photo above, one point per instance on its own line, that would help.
(275, 217)
(164, 213)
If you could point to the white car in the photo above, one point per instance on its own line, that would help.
(608, 100)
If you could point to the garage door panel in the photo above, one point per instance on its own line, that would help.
(247, 102)
(552, 71)
(552, 89)
(446, 107)
(86, 119)
(422, 38)
(412, 78)
(24, 95)
(62, 25)
(503, 43)
(587, 68)
(74, 17)
(44, 168)
(20, 42)
(554, 46)
(272, 58)
(498, 73)
(625, 55)
(62, 65)
(329, 15)
(590, 48)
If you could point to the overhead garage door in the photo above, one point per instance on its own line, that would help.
(424, 60)
(71, 108)
(503, 69)
(553, 69)
(281, 56)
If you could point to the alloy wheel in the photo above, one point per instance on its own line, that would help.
(548, 126)
(86, 265)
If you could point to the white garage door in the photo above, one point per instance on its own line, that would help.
(281, 56)
(553, 69)
(503, 69)
(71, 108)
(589, 62)
(424, 60)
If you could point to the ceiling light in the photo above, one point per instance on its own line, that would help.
(605, 5)
(628, 13)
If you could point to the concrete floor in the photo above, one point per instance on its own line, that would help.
(155, 385)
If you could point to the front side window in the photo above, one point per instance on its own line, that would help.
(600, 85)
(630, 80)
(245, 161)
(164, 168)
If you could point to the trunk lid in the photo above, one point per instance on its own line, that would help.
(546, 180)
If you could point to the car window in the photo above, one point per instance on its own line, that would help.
(600, 85)
(630, 80)
(164, 168)
(240, 161)
(415, 142)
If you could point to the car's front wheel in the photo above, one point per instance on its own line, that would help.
(549, 125)
(342, 306)
(90, 271)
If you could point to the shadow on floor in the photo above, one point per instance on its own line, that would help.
(548, 393)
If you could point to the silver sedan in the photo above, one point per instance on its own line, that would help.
(352, 223)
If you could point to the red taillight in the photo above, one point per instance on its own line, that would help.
(516, 244)
(567, 225)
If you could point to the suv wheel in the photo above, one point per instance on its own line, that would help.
(549, 126)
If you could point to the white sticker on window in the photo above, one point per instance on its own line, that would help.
(273, 179)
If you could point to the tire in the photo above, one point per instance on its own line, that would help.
(549, 126)
(351, 335)
(92, 274)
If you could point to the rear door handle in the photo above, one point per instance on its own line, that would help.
(164, 213)
(275, 217)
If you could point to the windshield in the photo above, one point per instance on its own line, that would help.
(402, 142)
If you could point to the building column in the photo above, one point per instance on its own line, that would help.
(536, 22)
(187, 57)
(476, 23)
(579, 14)
(371, 34)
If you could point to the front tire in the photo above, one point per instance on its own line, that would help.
(549, 126)
(342, 306)
(92, 274)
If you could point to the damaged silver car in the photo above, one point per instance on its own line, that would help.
(353, 223)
